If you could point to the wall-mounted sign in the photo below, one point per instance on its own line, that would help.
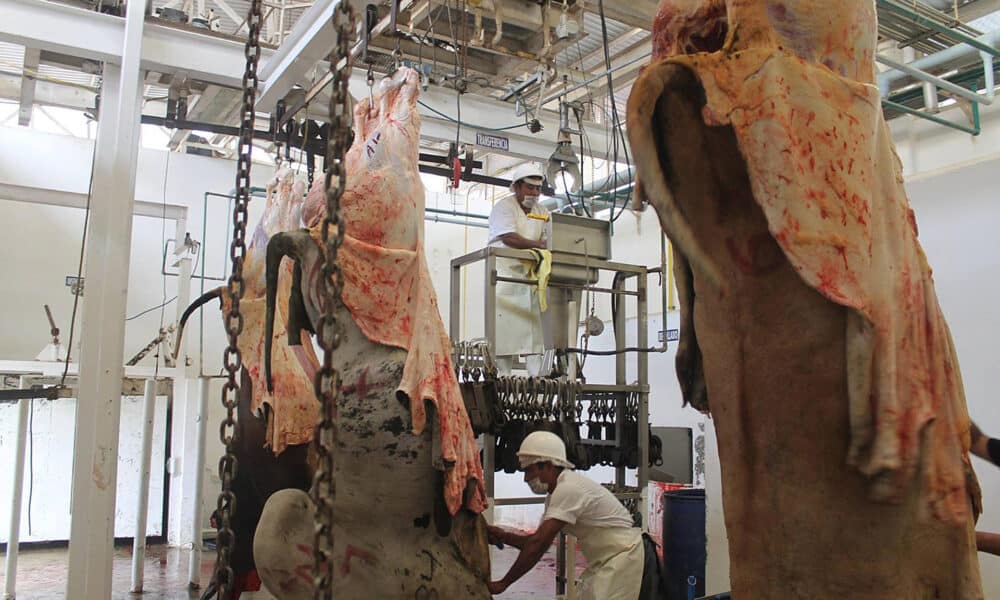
(670, 335)
(494, 142)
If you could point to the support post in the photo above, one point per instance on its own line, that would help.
(490, 331)
(142, 501)
(621, 377)
(98, 409)
(642, 322)
(17, 487)
(194, 566)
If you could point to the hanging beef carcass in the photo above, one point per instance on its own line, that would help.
(271, 455)
(409, 482)
(809, 322)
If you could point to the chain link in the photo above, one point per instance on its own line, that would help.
(232, 359)
(327, 383)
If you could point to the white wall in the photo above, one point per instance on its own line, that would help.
(41, 245)
(957, 214)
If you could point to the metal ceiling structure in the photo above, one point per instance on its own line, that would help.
(510, 59)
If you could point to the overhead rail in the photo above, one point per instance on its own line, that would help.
(924, 27)
(944, 84)
(944, 58)
(974, 130)
(949, 44)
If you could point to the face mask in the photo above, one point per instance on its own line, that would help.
(537, 486)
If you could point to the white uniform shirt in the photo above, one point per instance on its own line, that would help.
(612, 546)
(582, 502)
(508, 217)
(518, 324)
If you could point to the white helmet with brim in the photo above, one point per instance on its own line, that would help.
(543, 446)
(528, 172)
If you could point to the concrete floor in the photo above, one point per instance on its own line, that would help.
(41, 575)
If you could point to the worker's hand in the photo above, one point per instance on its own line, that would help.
(497, 587)
(495, 534)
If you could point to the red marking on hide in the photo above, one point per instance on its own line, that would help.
(351, 552)
(360, 388)
(304, 570)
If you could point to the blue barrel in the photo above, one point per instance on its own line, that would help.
(684, 542)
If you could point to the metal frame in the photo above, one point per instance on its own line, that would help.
(33, 376)
(488, 256)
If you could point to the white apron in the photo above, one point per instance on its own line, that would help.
(615, 560)
(518, 329)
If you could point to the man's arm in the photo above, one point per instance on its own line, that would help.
(983, 446)
(532, 548)
(518, 241)
(508, 538)
(988, 542)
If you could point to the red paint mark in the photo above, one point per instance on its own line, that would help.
(351, 552)
(304, 571)
(361, 388)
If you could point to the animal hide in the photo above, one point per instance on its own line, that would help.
(800, 266)
(387, 286)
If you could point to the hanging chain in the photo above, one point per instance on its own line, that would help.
(232, 359)
(327, 383)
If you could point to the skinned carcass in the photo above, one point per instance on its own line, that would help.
(271, 456)
(809, 322)
(409, 481)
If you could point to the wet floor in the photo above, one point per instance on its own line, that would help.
(41, 575)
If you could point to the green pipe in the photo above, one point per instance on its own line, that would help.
(975, 118)
(925, 22)
(975, 130)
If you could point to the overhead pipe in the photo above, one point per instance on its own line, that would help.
(988, 73)
(437, 219)
(938, 59)
(601, 75)
(453, 213)
(938, 81)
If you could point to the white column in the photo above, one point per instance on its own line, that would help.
(17, 472)
(142, 500)
(182, 414)
(194, 566)
(109, 237)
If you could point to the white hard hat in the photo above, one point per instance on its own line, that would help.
(543, 446)
(530, 171)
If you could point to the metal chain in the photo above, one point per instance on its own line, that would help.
(232, 359)
(327, 383)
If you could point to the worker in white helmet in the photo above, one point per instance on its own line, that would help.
(518, 221)
(615, 550)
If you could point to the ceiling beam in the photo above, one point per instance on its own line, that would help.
(976, 9)
(634, 13)
(47, 93)
(475, 62)
(95, 36)
(621, 74)
(32, 57)
(309, 43)
(23, 193)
